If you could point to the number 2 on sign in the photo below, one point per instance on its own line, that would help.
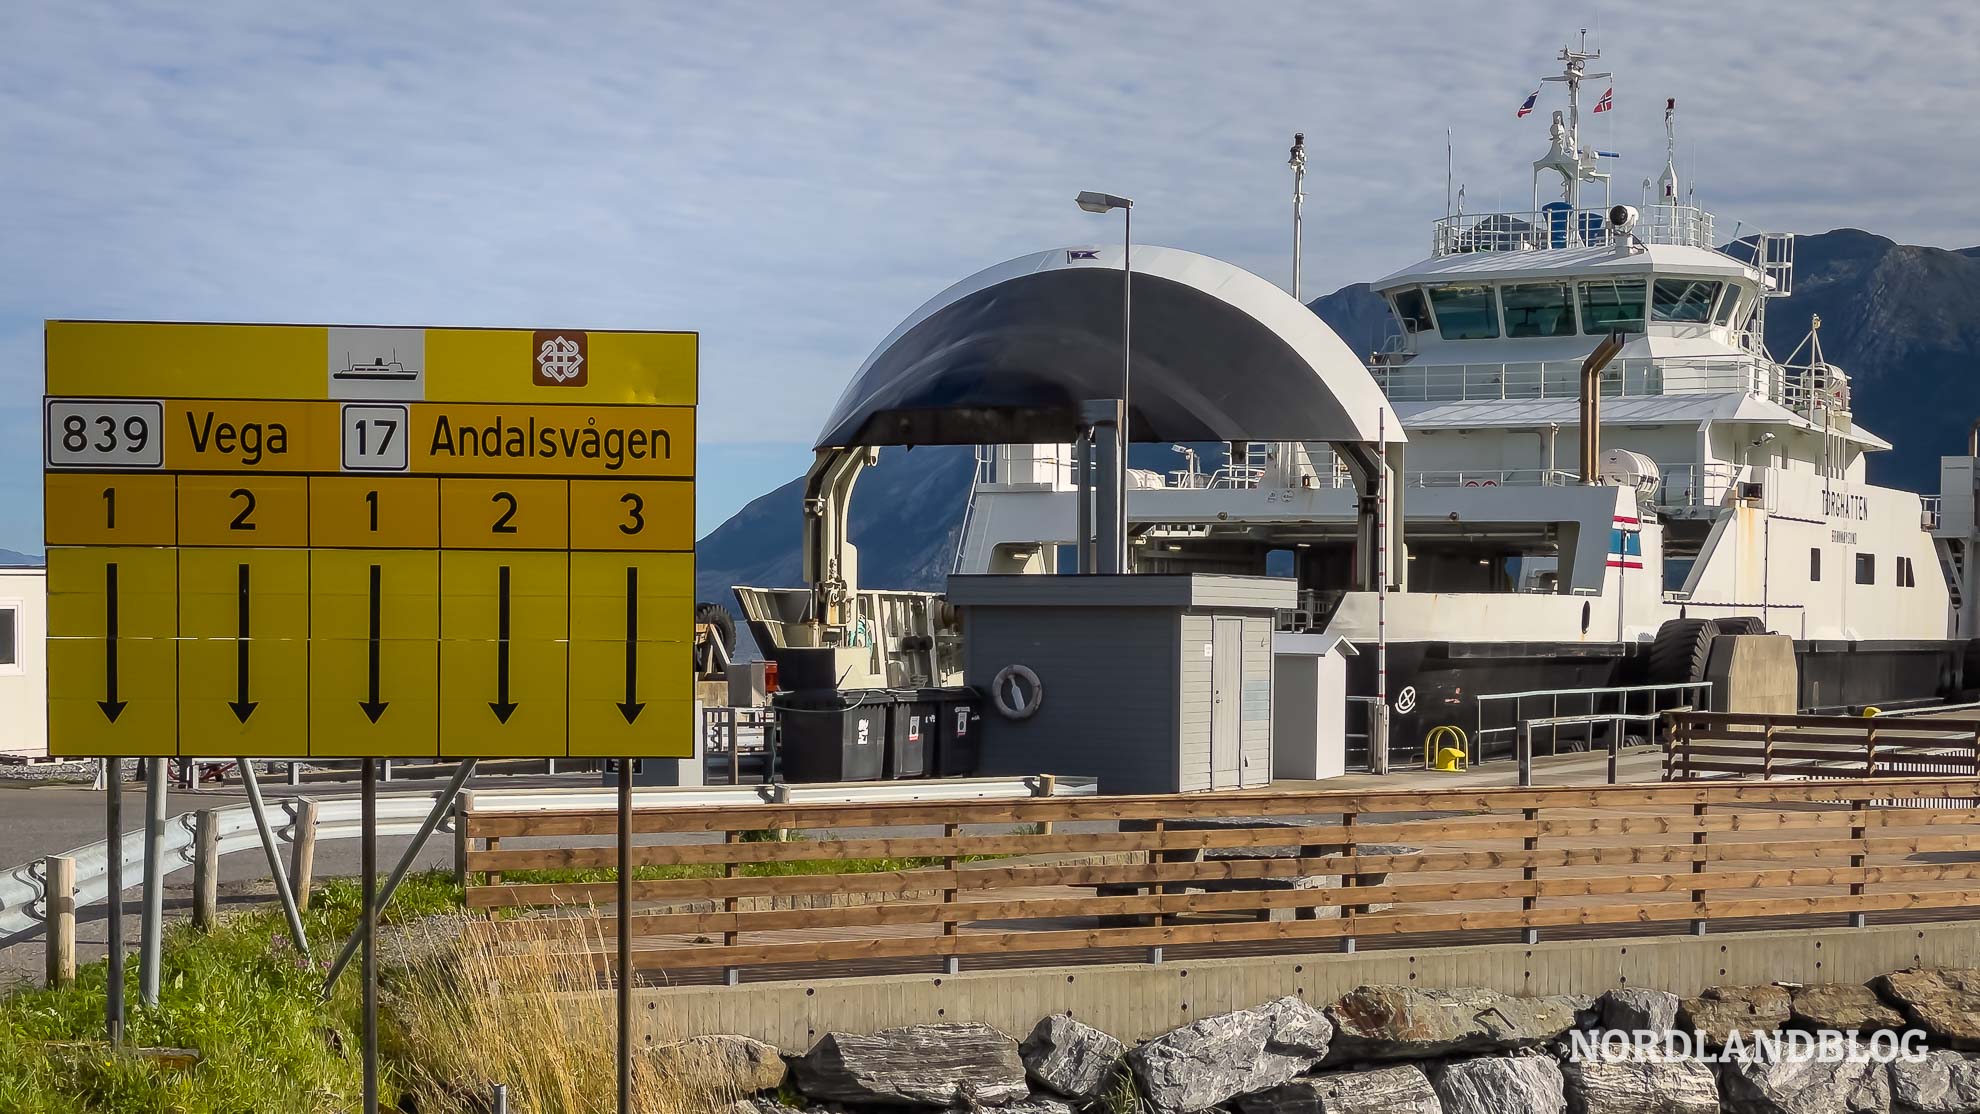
(506, 523)
(241, 520)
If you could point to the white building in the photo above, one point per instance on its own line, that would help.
(23, 663)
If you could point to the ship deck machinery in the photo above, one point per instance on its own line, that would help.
(1542, 549)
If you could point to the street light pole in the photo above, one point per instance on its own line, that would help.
(1117, 560)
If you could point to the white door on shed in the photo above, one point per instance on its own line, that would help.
(1226, 704)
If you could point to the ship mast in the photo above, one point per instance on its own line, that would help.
(1669, 181)
(1574, 60)
(1298, 164)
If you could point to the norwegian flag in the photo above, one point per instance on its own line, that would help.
(1527, 106)
(1608, 100)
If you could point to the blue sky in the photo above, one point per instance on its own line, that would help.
(791, 179)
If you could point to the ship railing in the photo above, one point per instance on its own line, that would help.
(1230, 477)
(1503, 477)
(1929, 510)
(1558, 227)
(1695, 485)
(1561, 379)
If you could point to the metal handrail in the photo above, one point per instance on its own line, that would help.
(1699, 696)
(1640, 377)
(23, 889)
(1544, 229)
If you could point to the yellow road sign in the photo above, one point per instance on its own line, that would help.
(651, 515)
(254, 511)
(374, 662)
(283, 541)
(142, 359)
(632, 655)
(223, 436)
(99, 508)
(504, 668)
(374, 512)
(480, 438)
(112, 660)
(504, 514)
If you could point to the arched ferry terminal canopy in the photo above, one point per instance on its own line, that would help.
(1008, 354)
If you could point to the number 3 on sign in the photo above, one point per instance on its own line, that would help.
(375, 438)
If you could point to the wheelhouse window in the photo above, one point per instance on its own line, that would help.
(1683, 301)
(1727, 305)
(1613, 304)
(1412, 310)
(1866, 568)
(1538, 309)
(1465, 311)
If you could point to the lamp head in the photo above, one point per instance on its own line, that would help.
(1101, 202)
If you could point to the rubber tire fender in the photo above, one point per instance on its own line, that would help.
(1679, 652)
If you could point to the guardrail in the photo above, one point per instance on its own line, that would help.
(24, 890)
(1705, 745)
(1237, 872)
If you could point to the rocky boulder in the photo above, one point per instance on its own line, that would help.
(1641, 1083)
(1638, 1009)
(1804, 1086)
(1722, 1009)
(1407, 1023)
(1945, 1004)
(1941, 1083)
(740, 1065)
(1071, 1058)
(1846, 1009)
(915, 1065)
(1218, 1058)
(1500, 1085)
(1402, 1089)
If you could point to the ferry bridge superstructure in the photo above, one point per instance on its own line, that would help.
(1726, 483)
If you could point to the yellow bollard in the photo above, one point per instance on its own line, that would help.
(1449, 759)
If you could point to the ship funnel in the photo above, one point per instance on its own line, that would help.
(1591, 402)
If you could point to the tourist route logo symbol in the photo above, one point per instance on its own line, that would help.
(561, 358)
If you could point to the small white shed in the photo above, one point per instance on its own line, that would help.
(23, 662)
(1309, 705)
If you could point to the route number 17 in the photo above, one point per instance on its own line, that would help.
(374, 438)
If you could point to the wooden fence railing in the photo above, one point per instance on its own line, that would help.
(1235, 871)
(1756, 745)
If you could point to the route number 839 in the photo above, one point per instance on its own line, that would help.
(92, 433)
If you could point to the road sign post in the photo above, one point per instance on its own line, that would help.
(320, 541)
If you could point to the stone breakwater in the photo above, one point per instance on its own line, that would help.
(1405, 1050)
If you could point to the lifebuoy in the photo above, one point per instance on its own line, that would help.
(1016, 692)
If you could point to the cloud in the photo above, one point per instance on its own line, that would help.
(791, 179)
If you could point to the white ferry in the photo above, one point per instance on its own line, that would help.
(1726, 487)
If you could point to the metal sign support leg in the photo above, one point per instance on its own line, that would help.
(441, 806)
(368, 837)
(113, 842)
(252, 783)
(152, 941)
(625, 935)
